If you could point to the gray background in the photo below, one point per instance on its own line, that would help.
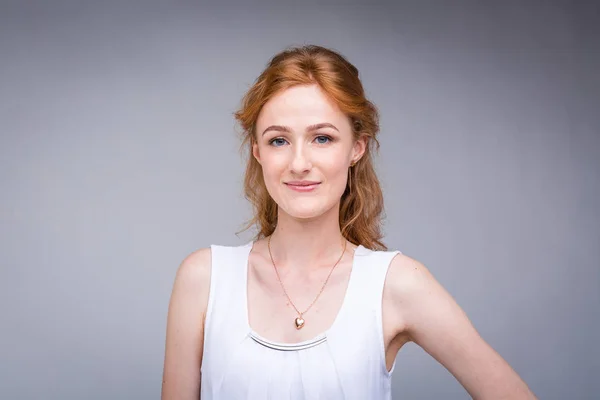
(119, 156)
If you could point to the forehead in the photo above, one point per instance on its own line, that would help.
(301, 105)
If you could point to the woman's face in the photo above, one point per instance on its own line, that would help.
(305, 146)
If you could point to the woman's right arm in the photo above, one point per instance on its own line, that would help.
(185, 328)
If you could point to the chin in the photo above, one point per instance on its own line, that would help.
(306, 210)
(305, 214)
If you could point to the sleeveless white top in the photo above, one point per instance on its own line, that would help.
(345, 362)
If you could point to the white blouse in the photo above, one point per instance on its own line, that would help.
(345, 362)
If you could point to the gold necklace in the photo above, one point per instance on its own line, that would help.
(299, 321)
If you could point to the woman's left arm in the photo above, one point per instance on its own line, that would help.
(433, 320)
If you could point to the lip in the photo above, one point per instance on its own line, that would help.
(303, 186)
(302, 183)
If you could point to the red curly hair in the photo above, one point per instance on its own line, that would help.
(361, 205)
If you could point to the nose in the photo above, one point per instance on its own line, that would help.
(300, 162)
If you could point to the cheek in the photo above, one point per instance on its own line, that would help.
(273, 166)
(335, 166)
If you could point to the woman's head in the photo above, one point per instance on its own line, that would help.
(306, 119)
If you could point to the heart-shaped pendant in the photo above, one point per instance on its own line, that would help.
(299, 322)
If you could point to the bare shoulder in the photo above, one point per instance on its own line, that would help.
(407, 279)
(410, 270)
(192, 286)
(194, 271)
(415, 295)
(185, 327)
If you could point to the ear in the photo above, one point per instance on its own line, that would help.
(255, 151)
(360, 145)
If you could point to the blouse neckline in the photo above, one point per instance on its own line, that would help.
(314, 341)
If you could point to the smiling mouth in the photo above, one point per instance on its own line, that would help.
(303, 187)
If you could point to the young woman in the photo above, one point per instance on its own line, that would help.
(315, 307)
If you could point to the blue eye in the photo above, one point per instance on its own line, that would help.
(327, 139)
(277, 142)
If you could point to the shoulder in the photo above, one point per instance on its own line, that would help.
(196, 267)
(407, 276)
(411, 291)
(192, 280)
(185, 324)
(191, 288)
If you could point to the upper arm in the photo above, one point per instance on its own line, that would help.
(185, 327)
(435, 322)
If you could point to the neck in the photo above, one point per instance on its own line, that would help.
(307, 243)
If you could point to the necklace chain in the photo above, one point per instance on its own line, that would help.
(318, 295)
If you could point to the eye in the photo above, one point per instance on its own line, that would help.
(277, 142)
(323, 139)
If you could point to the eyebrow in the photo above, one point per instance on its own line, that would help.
(281, 128)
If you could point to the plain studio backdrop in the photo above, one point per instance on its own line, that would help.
(119, 156)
